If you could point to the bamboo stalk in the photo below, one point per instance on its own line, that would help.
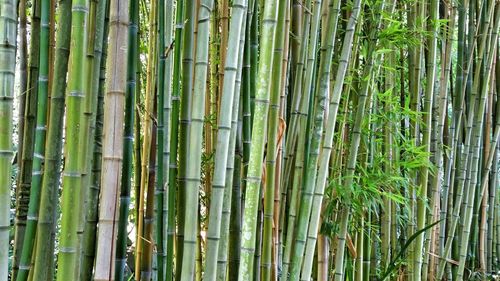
(99, 17)
(272, 174)
(218, 189)
(148, 136)
(72, 174)
(195, 141)
(43, 264)
(257, 147)
(172, 180)
(112, 148)
(128, 140)
(27, 146)
(188, 43)
(39, 144)
(8, 33)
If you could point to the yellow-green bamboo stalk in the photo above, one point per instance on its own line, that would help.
(43, 264)
(72, 174)
(252, 197)
(147, 139)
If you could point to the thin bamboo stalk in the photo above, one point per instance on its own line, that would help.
(39, 144)
(8, 33)
(185, 114)
(195, 141)
(148, 136)
(252, 197)
(23, 75)
(128, 140)
(43, 264)
(322, 93)
(367, 75)
(248, 81)
(172, 179)
(147, 259)
(218, 187)
(99, 12)
(27, 146)
(431, 70)
(165, 75)
(324, 157)
(272, 174)
(112, 148)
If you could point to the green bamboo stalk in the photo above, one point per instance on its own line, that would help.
(39, 146)
(318, 117)
(492, 195)
(185, 114)
(233, 173)
(137, 136)
(259, 125)
(332, 116)
(431, 70)
(298, 117)
(367, 75)
(300, 101)
(99, 12)
(43, 264)
(142, 257)
(442, 104)
(8, 33)
(218, 187)
(272, 145)
(415, 21)
(146, 258)
(195, 141)
(163, 151)
(462, 168)
(23, 75)
(447, 188)
(128, 140)
(278, 201)
(248, 78)
(172, 179)
(475, 131)
(27, 146)
(68, 248)
(322, 93)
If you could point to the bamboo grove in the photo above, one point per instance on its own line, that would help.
(249, 140)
